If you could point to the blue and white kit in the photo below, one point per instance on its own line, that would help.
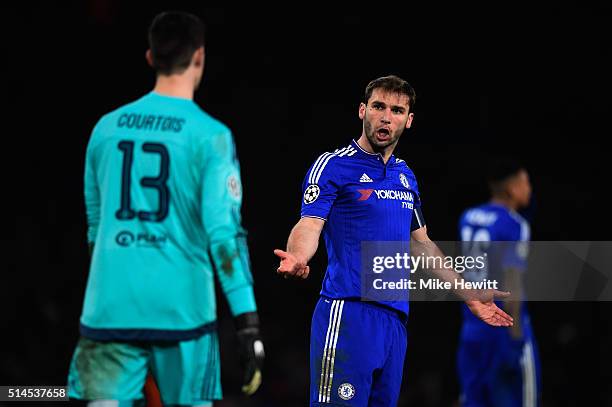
(357, 348)
(494, 368)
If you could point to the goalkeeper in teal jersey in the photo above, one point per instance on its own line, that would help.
(163, 197)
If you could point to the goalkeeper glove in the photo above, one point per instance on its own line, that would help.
(251, 350)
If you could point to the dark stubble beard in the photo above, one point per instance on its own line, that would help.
(379, 146)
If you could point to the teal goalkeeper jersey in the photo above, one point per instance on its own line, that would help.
(163, 196)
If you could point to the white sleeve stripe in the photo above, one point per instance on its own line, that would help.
(348, 150)
(315, 166)
(418, 218)
(319, 165)
(322, 166)
(525, 231)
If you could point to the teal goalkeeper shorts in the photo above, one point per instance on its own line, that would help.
(186, 372)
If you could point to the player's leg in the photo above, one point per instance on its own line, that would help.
(108, 373)
(188, 373)
(515, 375)
(387, 381)
(475, 361)
(530, 374)
(345, 349)
(538, 370)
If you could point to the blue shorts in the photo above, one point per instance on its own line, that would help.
(498, 372)
(357, 352)
(186, 372)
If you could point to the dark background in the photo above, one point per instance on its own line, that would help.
(530, 80)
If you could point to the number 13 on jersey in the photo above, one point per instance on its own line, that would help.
(159, 182)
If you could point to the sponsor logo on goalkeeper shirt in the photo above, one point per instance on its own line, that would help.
(125, 238)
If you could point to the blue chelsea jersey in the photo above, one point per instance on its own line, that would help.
(361, 199)
(503, 234)
(499, 231)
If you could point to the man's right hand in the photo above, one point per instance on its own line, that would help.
(290, 266)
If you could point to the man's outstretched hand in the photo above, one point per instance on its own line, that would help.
(290, 266)
(482, 305)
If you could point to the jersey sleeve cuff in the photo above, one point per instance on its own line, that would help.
(241, 300)
(314, 213)
(313, 216)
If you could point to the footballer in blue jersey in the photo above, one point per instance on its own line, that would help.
(163, 198)
(508, 356)
(355, 194)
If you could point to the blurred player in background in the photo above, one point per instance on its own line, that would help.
(357, 348)
(163, 197)
(507, 356)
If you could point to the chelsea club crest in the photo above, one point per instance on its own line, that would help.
(346, 391)
(404, 181)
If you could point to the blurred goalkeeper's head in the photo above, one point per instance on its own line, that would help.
(509, 181)
(176, 45)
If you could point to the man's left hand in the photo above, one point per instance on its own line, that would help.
(482, 304)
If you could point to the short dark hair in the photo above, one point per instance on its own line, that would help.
(173, 38)
(394, 84)
(500, 170)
